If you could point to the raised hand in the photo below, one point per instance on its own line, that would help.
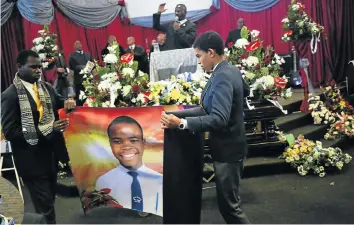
(161, 8)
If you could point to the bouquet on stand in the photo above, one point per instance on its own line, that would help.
(260, 68)
(117, 83)
(46, 46)
(298, 26)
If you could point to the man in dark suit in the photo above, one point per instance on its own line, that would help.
(110, 41)
(31, 123)
(234, 35)
(161, 40)
(77, 61)
(221, 113)
(179, 34)
(63, 83)
(139, 54)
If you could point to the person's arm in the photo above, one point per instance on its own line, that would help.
(192, 112)
(11, 118)
(218, 118)
(156, 23)
(187, 37)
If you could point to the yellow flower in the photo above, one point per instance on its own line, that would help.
(195, 98)
(187, 84)
(182, 98)
(173, 77)
(175, 94)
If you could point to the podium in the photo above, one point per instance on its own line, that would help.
(182, 175)
(166, 63)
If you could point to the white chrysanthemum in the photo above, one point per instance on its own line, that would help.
(252, 61)
(255, 33)
(116, 86)
(141, 98)
(82, 95)
(268, 81)
(126, 90)
(104, 85)
(38, 40)
(141, 73)
(45, 65)
(112, 48)
(110, 58)
(42, 55)
(197, 77)
(295, 7)
(47, 38)
(128, 72)
(285, 20)
(241, 43)
(39, 47)
(55, 48)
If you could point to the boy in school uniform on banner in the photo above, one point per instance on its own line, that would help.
(132, 184)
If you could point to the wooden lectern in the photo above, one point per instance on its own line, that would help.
(182, 175)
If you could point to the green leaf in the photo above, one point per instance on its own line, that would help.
(244, 33)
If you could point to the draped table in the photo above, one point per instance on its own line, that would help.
(166, 63)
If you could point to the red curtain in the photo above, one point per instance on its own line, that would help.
(332, 55)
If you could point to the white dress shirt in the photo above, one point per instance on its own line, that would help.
(29, 88)
(132, 47)
(182, 22)
(119, 181)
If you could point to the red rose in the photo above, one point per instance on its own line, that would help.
(266, 60)
(289, 33)
(244, 56)
(230, 44)
(258, 66)
(120, 76)
(136, 88)
(147, 96)
(253, 46)
(97, 78)
(280, 82)
(127, 58)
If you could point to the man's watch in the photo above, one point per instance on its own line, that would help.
(183, 124)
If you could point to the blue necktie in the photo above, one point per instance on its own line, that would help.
(137, 196)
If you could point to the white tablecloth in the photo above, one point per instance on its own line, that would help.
(166, 63)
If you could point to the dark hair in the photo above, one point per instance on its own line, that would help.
(183, 6)
(22, 57)
(210, 40)
(124, 119)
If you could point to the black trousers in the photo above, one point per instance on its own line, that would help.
(42, 191)
(227, 180)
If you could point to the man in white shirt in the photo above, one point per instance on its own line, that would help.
(132, 184)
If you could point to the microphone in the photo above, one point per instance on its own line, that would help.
(176, 19)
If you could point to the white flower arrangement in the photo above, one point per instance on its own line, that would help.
(45, 45)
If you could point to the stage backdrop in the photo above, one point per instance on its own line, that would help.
(103, 166)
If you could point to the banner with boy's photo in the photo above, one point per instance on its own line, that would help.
(116, 156)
